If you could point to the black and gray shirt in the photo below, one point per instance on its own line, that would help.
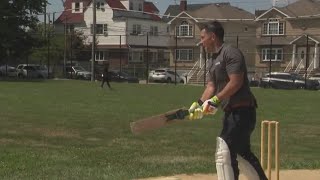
(229, 60)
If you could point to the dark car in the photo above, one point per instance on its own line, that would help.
(118, 76)
(282, 80)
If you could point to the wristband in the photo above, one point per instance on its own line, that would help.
(200, 102)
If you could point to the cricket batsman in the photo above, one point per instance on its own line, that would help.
(228, 89)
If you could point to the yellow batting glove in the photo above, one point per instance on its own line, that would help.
(196, 114)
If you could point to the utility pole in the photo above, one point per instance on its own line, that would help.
(93, 39)
(48, 45)
(65, 47)
(45, 23)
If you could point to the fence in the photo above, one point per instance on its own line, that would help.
(137, 55)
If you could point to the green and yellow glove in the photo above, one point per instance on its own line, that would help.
(210, 106)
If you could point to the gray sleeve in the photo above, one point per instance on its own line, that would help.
(210, 75)
(234, 61)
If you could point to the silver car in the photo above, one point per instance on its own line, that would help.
(164, 75)
(31, 71)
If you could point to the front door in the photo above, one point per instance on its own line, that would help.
(301, 56)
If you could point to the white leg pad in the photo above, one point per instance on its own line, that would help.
(223, 161)
(247, 169)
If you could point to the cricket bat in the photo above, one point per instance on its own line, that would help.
(158, 121)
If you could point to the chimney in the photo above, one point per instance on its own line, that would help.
(183, 5)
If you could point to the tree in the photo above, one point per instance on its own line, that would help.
(16, 18)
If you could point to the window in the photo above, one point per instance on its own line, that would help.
(275, 55)
(154, 30)
(140, 7)
(136, 56)
(130, 5)
(70, 28)
(100, 29)
(273, 27)
(184, 54)
(100, 5)
(77, 7)
(99, 55)
(136, 29)
(184, 30)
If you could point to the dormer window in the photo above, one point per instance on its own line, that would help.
(77, 7)
(273, 27)
(100, 5)
(184, 30)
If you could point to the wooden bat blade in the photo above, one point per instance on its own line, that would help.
(158, 121)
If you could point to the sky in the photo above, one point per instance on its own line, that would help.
(162, 5)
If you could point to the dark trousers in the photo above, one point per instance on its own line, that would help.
(105, 79)
(238, 125)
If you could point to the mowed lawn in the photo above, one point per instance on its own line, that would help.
(76, 130)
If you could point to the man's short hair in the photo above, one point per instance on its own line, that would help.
(216, 28)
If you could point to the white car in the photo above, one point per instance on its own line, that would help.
(8, 71)
(32, 71)
(315, 77)
(164, 75)
(78, 72)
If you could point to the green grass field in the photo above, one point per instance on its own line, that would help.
(76, 130)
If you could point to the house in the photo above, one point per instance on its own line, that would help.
(125, 31)
(293, 31)
(185, 21)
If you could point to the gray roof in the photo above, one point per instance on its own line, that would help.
(302, 8)
(130, 14)
(174, 10)
(275, 41)
(210, 11)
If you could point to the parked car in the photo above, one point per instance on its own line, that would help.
(164, 75)
(316, 77)
(8, 71)
(78, 72)
(118, 76)
(282, 80)
(31, 71)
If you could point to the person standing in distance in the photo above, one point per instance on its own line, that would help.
(228, 89)
(105, 75)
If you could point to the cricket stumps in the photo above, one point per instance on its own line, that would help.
(269, 126)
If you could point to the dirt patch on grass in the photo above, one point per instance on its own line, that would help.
(56, 132)
(284, 175)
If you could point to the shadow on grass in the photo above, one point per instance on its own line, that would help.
(10, 79)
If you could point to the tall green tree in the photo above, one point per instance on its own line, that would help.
(16, 18)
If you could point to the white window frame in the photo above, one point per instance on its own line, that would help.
(184, 30)
(100, 56)
(77, 9)
(136, 56)
(276, 55)
(100, 5)
(104, 29)
(136, 29)
(179, 53)
(154, 31)
(273, 27)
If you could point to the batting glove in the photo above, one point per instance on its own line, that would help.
(210, 106)
(196, 114)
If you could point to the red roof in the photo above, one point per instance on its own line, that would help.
(72, 18)
(151, 8)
